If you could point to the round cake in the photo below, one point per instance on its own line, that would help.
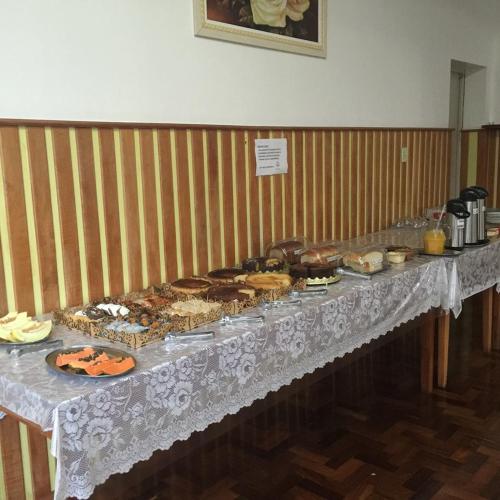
(190, 286)
(299, 271)
(226, 275)
(269, 281)
(228, 293)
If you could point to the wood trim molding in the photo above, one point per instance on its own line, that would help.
(18, 122)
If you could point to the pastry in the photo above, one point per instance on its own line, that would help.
(288, 250)
(192, 307)
(269, 281)
(190, 286)
(228, 293)
(365, 262)
(263, 264)
(224, 275)
(151, 301)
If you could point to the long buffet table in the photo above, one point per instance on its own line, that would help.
(101, 427)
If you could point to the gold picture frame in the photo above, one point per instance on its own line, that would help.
(304, 31)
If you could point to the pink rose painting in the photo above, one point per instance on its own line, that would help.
(291, 25)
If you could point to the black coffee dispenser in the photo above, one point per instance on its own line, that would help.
(456, 215)
(470, 196)
(481, 206)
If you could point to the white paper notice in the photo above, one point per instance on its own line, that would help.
(271, 156)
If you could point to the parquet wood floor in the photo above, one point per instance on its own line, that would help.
(362, 432)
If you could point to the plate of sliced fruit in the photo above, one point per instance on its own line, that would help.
(91, 361)
(19, 329)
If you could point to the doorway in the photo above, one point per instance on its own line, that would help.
(467, 110)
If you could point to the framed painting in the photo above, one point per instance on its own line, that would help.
(291, 25)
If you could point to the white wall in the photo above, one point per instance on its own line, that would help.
(137, 60)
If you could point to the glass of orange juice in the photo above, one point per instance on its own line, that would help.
(434, 240)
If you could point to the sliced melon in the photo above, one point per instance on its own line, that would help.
(6, 335)
(8, 317)
(18, 322)
(33, 332)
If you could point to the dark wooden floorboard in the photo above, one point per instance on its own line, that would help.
(363, 431)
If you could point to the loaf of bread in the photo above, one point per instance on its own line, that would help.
(367, 261)
(288, 250)
(325, 254)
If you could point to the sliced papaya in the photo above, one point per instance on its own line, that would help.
(83, 363)
(64, 359)
(113, 366)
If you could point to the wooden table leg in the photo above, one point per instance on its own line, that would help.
(496, 320)
(487, 319)
(427, 354)
(443, 348)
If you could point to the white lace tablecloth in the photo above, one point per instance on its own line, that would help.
(472, 272)
(101, 427)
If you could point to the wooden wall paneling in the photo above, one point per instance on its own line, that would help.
(299, 183)
(370, 161)
(276, 215)
(240, 187)
(482, 158)
(377, 167)
(328, 184)
(67, 214)
(124, 208)
(10, 448)
(111, 211)
(215, 200)
(184, 203)
(4, 307)
(317, 179)
(490, 164)
(147, 152)
(353, 184)
(170, 230)
(464, 156)
(344, 185)
(496, 181)
(289, 215)
(17, 222)
(362, 182)
(37, 153)
(226, 194)
(88, 195)
(201, 201)
(255, 204)
(309, 182)
(131, 209)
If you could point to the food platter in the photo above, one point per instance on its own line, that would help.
(448, 252)
(111, 352)
(323, 281)
(6, 343)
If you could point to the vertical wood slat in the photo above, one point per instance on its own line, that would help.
(10, 447)
(90, 214)
(43, 209)
(40, 474)
(17, 218)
